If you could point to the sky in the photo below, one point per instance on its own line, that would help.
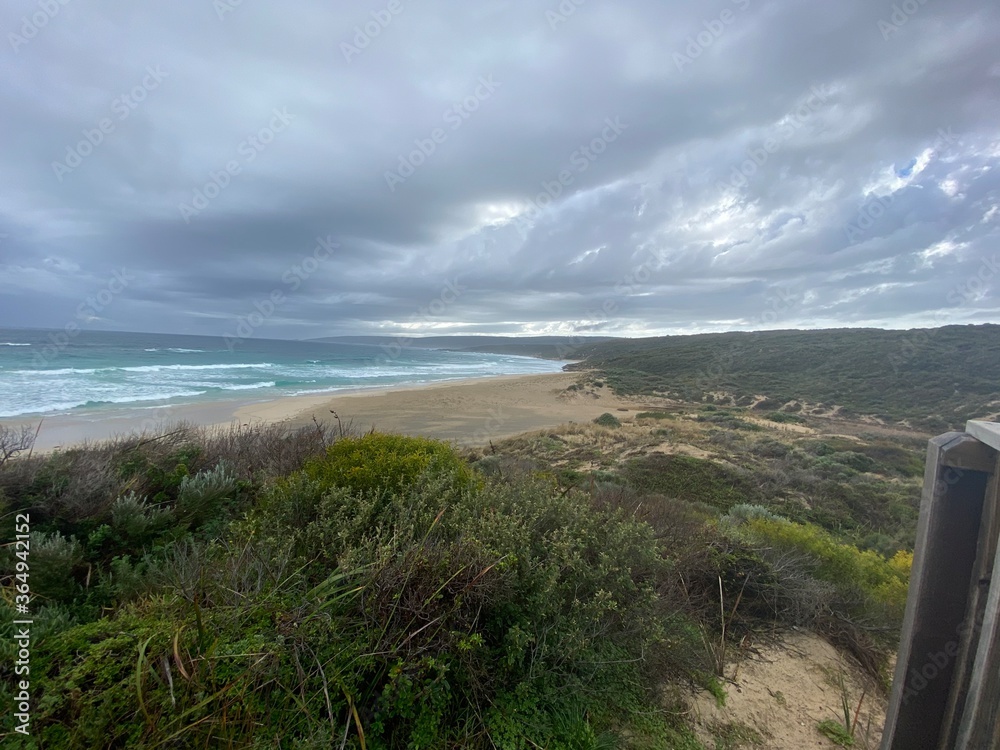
(627, 168)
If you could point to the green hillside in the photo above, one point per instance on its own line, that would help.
(934, 378)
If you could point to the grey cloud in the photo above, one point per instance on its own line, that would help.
(544, 234)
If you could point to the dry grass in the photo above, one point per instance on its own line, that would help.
(84, 481)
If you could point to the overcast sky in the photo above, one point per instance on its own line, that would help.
(626, 168)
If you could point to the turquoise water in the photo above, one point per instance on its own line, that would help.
(49, 372)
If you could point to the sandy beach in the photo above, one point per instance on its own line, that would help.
(469, 412)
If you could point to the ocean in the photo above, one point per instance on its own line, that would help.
(48, 372)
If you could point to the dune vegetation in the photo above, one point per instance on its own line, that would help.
(262, 587)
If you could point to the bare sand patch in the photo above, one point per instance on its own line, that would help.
(471, 412)
(781, 426)
(681, 449)
(785, 691)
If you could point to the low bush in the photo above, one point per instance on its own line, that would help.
(729, 420)
(383, 463)
(869, 591)
(202, 496)
(784, 417)
(692, 479)
(608, 420)
(387, 592)
(770, 448)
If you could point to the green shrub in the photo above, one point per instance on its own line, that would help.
(836, 732)
(55, 563)
(519, 581)
(608, 420)
(871, 588)
(201, 497)
(727, 419)
(742, 513)
(783, 417)
(132, 516)
(770, 448)
(384, 463)
(692, 479)
(853, 460)
(134, 525)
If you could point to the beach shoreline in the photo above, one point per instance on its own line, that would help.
(468, 411)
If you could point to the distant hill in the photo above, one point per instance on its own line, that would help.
(935, 378)
(543, 347)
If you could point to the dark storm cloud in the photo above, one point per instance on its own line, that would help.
(500, 167)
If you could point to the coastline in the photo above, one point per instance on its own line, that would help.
(469, 411)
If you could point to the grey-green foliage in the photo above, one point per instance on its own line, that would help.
(200, 496)
(53, 560)
(740, 514)
(133, 517)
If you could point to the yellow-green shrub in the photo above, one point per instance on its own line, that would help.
(876, 586)
(385, 463)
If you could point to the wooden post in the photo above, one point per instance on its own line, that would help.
(935, 624)
(978, 726)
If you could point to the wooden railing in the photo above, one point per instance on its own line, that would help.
(946, 690)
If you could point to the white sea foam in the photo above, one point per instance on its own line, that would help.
(142, 397)
(248, 386)
(59, 406)
(60, 371)
(160, 368)
(331, 389)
